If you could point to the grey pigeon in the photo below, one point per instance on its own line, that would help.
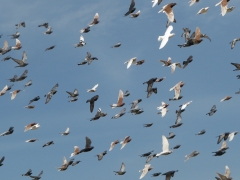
(135, 103)
(189, 60)
(23, 24)
(201, 132)
(186, 34)
(146, 154)
(49, 30)
(116, 45)
(152, 90)
(176, 147)
(126, 94)
(89, 58)
(223, 136)
(48, 143)
(88, 146)
(149, 158)
(10, 131)
(44, 25)
(15, 36)
(100, 156)
(34, 99)
(20, 78)
(148, 125)
(37, 177)
(121, 113)
(6, 58)
(193, 154)
(212, 111)
(29, 83)
(50, 48)
(21, 63)
(98, 115)
(233, 42)
(121, 171)
(171, 135)
(169, 174)
(73, 94)
(51, 93)
(75, 163)
(237, 66)
(28, 173)
(131, 8)
(156, 174)
(92, 100)
(85, 30)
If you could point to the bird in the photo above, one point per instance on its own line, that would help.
(98, 115)
(177, 91)
(194, 39)
(146, 154)
(145, 170)
(237, 66)
(29, 83)
(66, 132)
(136, 110)
(51, 93)
(15, 36)
(163, 111)
(1, 160)
(95, 20)
(226, 176)
(177, 146)
(28, 173)
(75, 163)
(125, 141)
(94, 89)
(6, 58)
(233, 42)
(75, 152)
(179, 118)
(32, 126)
(88, 146)
(135, 15)
(135, 103)
(37, 177)
(203, 10)
(201, 132)
(5, 49)
(140, 62)
(64, 165)
(22, 77)
(186, 34)
(174, 65)
(31, 140)
(100, 156)
(212, 111)
(147, 125)
(193, 154)
(17, 46)
(230, 9)
(156, 2)
(223, 136)
(150, 83)
(166, 36)
(116, 45)
(49, 30)
(166, 63)
(169, 174)
(48, 143)
(121, 171)
(151, 91)
(131, 8)
(156, 174)
(131, 61)
(91, 101)
(193, 2)
(112, 145)
(126, 94)
(14, 93)
(189, 60)
(120, 102)
(3, 90)
(164, 105)
(226, 98)
(85, 30)
(171, 135)
(34, 99)
(219, 153)
(81, 42)
(223, 147)
(43, 24)
(224, 6)
(23, 24)
(50, 48)
(89, 58)
(184, 105)
(167, 9)
(120, 114)
(165, 147)
(73, 94)
(30, 107)
(150, 157)
(10, 131)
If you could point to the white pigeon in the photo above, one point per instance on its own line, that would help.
(164, 111)
(164, 105)
(131, 61)
(231, 135)
(165, 147)
(4, 90)
(145, 170)
(173, 66)
(224, 6)
(185, 105)
(94, 89)
(155, 2)
(166, 37)
(203, 10)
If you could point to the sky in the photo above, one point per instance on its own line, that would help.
(208, 79)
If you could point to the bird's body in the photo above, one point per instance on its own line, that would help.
(165, 147)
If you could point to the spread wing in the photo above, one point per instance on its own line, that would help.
(145, 170)
(5, 45)
(95, 87)
(81, 38)
(132, 5)
(64, 161)
(227, 172)
(231, 136)
(170, 14)
(67, 130)
(122, 167)
(20, 62)
(88, 142)
(24, 74)
(120, 97)
(2, 159)
(165, 144)
(224, 7)
(24, 57)
(18, 43)
(197, 34)
(40, 173)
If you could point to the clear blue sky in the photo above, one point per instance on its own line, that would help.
(209, 78)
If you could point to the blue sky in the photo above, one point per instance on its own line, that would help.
(209, 78)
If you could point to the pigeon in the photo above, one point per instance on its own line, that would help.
(113, 144)
(147, 125)
(223, 148)
(66, 132)
(169, 174)
(203, 10)
(17, 46)
(51, 93)
(226, 98)
(13, 79)
(178, 121)
(120, 102)
(193, 154)
(5, 48)
(165, 147)
(146, 154)
(3, 90)
(125, 141)
(126, 94)
(156, 2)
(121, 171)
(14, 93)
(95, 20)
(34, 99)
(131, 8)
(48, 143)
(136, 110)
(92, 100)
(49, 30)
(176, 147)
(231, 135)
(76, 151)
(10, 131)
(163, 111)
(224, 6)
(151, 91)
(237, 66)
(1, 35)
(185, 105)
(135, 103)
(1, 160)
(150, 83)
(177, 91)
(233, 42)
(121, 113)
(89, 58)
(174, 65)
(23, 24)
(30, 107)
(29, 83)
(186, 34)
(230, 9)
(75, 163)
(88, 146)
(94, 89)
(43, 24)
(98, 115)
(156, 174)
(223, 136)
(135, 15)
(31, 140)
(166, 37)
(226, 176)
(194, 39)
(212, 111)
(15, 36)
(37, 177)
(140, 62)
(100, 156)
(22, 77)
(81, 42)
(145, 170)
(64, 165)
(167, 9)
(193, 2)
(166, 63)
(28, 173)
(201, 132)
(149, 158)
(116, 45)
(189, 60)
(32, 126)
(171, 135)
(219, 153)
(6, 58)
(73, 94)
(50, 48)
(85, 30)
(131, 61)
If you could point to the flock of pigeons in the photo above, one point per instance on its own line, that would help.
(190, 39)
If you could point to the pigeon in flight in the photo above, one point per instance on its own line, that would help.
(37, 177)
(135, 15)
(224, 6)
(17, 46)
(166, 37)
(28, 173)
(120, 102)
(94, 89)
(189, 60)
(44, 25)
(31, 140)
(212, 111)
(29, 83)
(120, 114)
(50, 48)
(121, 171)
(226, 176)
(165, 147)
(95, 20)
(48, 143)
(169, 174)
(201, 132)
(237, 66)
(193, 2)
(166, 63)
(51, 93)
(146, 154)
(23, 24)
(112, 145)
(64, 165)
(145, 170)
(92, 100)
(131, 8)
(125, 141)
(10, 131)
(34, 99)
(32, 126)
(233, 42)
(66, 132)
(193, 154)
(49, 30)
(15, 36)
(116, 45)
(203, 10)
(85, 30)
(167, 9)
(148, 125)
(156, 2)
(100, 156)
